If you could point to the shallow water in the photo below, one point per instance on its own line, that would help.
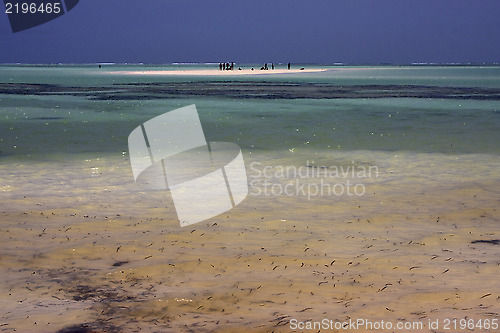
(82, 244)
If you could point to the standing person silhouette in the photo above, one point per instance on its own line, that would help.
(220, 66)
(288, 66)
(272, 66)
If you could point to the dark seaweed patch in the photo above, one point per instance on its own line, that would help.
(252, 90)
(487, 241)
(120, 263)
(95, 327)
(84, 292)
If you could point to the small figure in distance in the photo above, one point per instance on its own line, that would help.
(288, 66)
(220, 66)
(265, 67)
(232, 65)
(272, 66)
(224, 66)
(228, 66)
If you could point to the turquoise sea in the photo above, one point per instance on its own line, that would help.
(429, 136)
(73, 117)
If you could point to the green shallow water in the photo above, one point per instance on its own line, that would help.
(47, 125)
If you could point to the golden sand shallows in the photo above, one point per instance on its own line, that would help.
(249, 268)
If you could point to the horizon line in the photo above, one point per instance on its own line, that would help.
(179, 63)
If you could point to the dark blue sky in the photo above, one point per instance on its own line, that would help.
(312, 31)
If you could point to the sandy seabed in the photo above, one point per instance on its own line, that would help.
(118, 261)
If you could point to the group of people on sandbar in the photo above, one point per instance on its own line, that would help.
(226, 66)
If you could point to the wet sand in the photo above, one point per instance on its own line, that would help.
(97, 264)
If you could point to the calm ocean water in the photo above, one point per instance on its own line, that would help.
(70, 122)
